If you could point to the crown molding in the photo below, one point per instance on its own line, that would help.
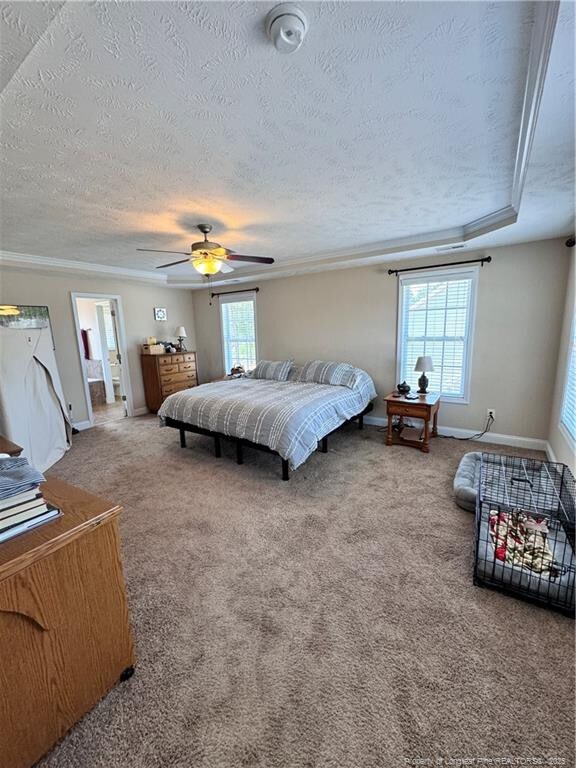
(544, 24)
(28, 261)
(545, 18)
(495, 220)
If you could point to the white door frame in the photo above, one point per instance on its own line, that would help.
(125, 371)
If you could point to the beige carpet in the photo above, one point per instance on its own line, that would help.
(328, 622)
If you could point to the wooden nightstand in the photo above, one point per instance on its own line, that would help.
(426, 407)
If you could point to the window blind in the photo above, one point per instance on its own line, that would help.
(568, 414)
(238, 316)
(108, 327)
(435, 319)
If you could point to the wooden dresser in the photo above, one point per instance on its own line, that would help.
(65, 636)
(165, 374)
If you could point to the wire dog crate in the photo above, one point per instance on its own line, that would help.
(525, 530)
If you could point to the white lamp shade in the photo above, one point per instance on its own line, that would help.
(181, 332)
(424, 365)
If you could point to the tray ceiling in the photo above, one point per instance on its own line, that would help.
(125, 124)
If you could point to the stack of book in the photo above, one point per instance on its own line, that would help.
(22, 505)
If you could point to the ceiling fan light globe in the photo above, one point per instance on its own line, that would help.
(206, 265)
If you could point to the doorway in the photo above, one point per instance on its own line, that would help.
(100, 335)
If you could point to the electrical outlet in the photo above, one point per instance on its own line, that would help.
(491, 412)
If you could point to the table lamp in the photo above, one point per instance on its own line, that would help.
(423, 364)
(181, 335)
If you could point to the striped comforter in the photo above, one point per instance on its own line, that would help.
(288, 417)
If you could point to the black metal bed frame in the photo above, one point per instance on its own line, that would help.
(240, 443)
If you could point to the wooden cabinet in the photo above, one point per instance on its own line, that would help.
(65, 637)
(165, 374)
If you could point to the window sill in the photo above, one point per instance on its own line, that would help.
(447, 400)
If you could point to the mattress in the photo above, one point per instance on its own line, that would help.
(288, 417)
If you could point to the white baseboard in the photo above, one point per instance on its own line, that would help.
(141, 411)
(516, 441)
(550, 453)
(81, 425)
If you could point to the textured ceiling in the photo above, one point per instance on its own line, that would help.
(124, 124)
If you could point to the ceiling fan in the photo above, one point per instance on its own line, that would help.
(209, 258)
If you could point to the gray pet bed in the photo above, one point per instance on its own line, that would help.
(466, 481)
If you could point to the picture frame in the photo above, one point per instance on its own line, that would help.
(160, 313)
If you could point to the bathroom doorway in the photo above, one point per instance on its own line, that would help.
(100, 334)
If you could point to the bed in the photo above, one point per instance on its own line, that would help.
(291, 418)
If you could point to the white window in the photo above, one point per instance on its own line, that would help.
(238, 317)
(568, 413)
(436, 318)
(108, 327)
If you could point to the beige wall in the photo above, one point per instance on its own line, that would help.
(138, 300)
(559, 443)
(351, 315)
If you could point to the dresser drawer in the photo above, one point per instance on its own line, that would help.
(166, 369)
(190, 357)
(172, 378)
(169, 389)
(187, 367)
(178, 386)
(170, 360)
(401, 409)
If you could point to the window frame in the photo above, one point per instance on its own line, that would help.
(232, 298)
(429, 275)
(564, 429)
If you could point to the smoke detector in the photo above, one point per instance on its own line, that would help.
(286, 26)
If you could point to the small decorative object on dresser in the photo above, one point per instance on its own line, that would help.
(181, 335)
(424, 407)
(153, 349)
(165, 374)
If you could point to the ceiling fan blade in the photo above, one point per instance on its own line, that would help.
(172, 263)
(253, 259)
(155, 250)
(226, 267)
